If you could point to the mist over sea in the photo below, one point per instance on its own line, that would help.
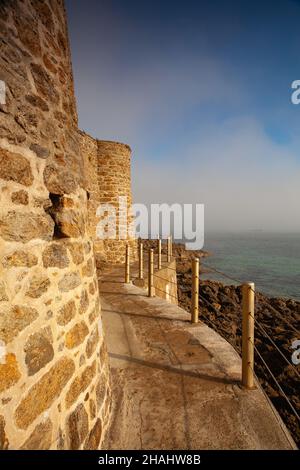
(270, 260)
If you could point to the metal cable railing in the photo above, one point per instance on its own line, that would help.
(250, 302)
(277, 383)
(258, 324)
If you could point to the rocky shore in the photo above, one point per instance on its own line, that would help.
(220, 306)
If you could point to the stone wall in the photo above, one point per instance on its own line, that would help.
(54, 379)
(108, 167)
(164, 280)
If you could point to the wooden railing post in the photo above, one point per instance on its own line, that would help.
(159, 253)
(141, 261)
(151, 273)
(169, 249)
(127, 265)
(195, 291)
(248, 291)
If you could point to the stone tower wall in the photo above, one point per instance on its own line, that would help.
(54, 379)
(109, 178)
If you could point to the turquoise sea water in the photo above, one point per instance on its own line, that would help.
(271, 261)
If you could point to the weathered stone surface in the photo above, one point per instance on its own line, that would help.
(101, 391)
(88, 269)
(38, 285)
(55, 256)
(4, 444)
(84, 302)
(14, 319)
(92, 289)
(3, 294)
(93, 409)
(103, 353)
(44, 392)
(37, 101)
(38, 352)
(9, 372)
(28, 32)
(20, 197)
(15, 167)
(78, 425)
(21, 227)
(94, 315)
(70, 223)
(80, 383)
(61, 440)
(69, 281)
(59, 181)
(44, 14)
(40, 438)
(87, 247)
(76, 250)
(44, 84)
(93, 441)
(92, 342)
(76, 335)
(66, 313)
(41, 152)
(20, 259)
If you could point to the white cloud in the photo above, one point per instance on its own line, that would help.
(243, 178)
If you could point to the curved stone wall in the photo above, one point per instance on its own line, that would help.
(109, 182)
(54, 379)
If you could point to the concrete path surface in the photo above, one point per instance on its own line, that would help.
(177, 385)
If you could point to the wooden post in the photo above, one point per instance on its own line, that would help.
(169, 250)
(127, 265)
(248, 335)
(195, 291)
(159, 253)
(151, 273)
(141, 261)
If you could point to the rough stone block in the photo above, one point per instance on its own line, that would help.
(38, 352)
(59, 181)
(4, 444)
(76, 250)
(93, 441)
(41, 152)
(14, 319)
(23, 227)
(84, 302)
(3, 294)
(55, 256)
(78, 425)
(20, 197)
(44, 83)
(44, 392)
(9, 372)
(20, 259)
(92, 342)
(15, 167)
(38, 285)
(76, 335)
(66, 313)
(80, 384)
(40, 438)
(69, 281)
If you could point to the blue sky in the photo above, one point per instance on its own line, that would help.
(201, 92)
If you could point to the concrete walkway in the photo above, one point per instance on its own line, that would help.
(177, 385)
